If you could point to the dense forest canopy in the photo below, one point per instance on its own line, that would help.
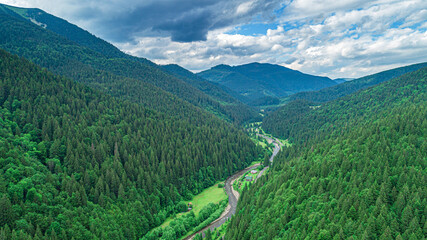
(300, 120)
(348, 87)
(357, 170)
(76, 163)
(259, 80)
(232, 102)
(75, 53)
(98, 144)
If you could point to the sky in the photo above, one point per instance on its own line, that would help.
(334, 38)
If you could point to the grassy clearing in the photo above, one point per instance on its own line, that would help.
(241, 183)
(256, 127)
(254, 162)
(209, 195)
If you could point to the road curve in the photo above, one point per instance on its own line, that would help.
(277, 147)
(233, 196)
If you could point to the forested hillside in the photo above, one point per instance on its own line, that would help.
(258, 80)
(346, 88)
(230, 101)
(285, 120)
(214, 90)
(69, 31)
(77, 163)
(357, 170)
(282, 122)
(83, 57)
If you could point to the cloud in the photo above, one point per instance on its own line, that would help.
(183, 20)
(346, 38)
(349, 42)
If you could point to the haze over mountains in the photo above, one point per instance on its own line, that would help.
(352, 86)
(78, 54)
(98, 144)
(357, 169)
(122, 155)
(258, 80)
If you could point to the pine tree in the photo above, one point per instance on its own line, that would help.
(6, 212)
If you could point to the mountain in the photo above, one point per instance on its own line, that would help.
(356, 170)
(342, 80)
(257, 80)
(69, 31)
(229, 100)
(78, 163)
(65, 49)
(334, 92)
(214, 90)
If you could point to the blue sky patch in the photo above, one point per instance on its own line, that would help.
(253, 29)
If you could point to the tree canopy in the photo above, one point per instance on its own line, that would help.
(357, 170)
(77, 163)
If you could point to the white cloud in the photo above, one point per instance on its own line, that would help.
(244, 8)
(357, 39)
(346, 38)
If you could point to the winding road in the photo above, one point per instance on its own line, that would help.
(233, 196)
(277, 146)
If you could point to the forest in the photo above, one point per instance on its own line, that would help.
(356, 170)
(82, 57)
(77, 163)
(349, 87)
(99, 144)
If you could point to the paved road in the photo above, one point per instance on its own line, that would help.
(277, 147)
(233, 196)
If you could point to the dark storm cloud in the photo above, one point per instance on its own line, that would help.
(183, 21)
(193, 27)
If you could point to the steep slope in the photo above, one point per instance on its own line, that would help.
(285, 121)
(214, 90)
(224, 75)
(359, 174)
(281, 122)
(257, 80)
(85, 58)
(337, 91)
(77, 163)
(229, 100)
(69, 31)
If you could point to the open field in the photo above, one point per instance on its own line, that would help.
(209, 195)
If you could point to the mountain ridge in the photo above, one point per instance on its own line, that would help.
(72, 154)
(354, 85)
(355, 170)
(89, 64)
(258, 80)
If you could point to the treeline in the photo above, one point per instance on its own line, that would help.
(302, 121)
(361, 175)
(346, 88)
(189, 222)
(119, 75)
(231, 102)
(76, 163)
(284, 121)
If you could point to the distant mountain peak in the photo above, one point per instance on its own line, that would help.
(258, 80)
(222, 67)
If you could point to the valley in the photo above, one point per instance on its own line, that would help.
(208, 137)
(233, 192)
